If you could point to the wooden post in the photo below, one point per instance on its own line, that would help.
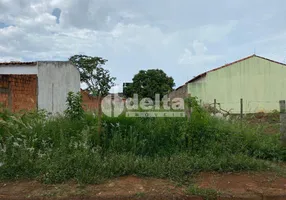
(283, 121)
(241, 109)
(214, 106)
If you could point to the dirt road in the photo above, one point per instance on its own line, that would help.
(228, 185)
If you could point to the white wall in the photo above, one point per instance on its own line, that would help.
(55, 80)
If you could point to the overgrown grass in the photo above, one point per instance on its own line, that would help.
(57, 149)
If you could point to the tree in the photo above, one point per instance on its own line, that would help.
(98, 80)
(148, 83)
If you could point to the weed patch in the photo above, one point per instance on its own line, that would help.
(55, 149)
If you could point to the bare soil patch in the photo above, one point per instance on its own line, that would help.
(266, 185)
(244, 185)
(119, 188)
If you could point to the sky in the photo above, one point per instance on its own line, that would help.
(182, 37)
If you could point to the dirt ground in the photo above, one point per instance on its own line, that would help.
(229, 186)
(245, 185)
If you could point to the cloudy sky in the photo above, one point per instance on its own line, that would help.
(182, 37)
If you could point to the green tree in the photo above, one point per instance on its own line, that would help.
(98, 80)
(150, 82)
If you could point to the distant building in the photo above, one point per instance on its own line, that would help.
(37, 85)
(124, 87)
(258, 81)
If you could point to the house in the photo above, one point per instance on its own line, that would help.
(37, 85)
(258, 81)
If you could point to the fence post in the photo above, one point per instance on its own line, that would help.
(283, 121)
(188, 107)
(214, 106)
(241, 109)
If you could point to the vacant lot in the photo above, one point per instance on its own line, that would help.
(196, 154)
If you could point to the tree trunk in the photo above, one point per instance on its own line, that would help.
(99, 115)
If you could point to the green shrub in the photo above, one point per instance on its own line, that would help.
(74, 106)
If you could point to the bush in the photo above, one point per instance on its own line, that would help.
(74, 109)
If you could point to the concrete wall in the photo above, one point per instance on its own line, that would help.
(55, 80)
(180, 92)
(261, 84)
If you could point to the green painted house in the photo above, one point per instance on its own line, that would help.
(259, 81)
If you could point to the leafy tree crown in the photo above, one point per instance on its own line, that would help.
(147, 83)
(98, 80)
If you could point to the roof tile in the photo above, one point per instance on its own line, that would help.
(18, 63)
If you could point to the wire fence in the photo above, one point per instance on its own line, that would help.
(241, 106)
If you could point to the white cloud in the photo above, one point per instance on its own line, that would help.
(194, 60)
(8, 59)
(36, 24)
(10, 31)
(196, 55)
(186, 57)
(133, 35)
(199, 47)
(216, 32)
(89, 27)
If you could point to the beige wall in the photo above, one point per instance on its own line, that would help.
(259, 82)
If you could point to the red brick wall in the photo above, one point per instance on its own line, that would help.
(4, 88)
(89, 103)
(4, 99)
(22, 92)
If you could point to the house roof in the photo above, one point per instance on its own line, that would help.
(226, 65)
(18, 63)
(179, 87)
